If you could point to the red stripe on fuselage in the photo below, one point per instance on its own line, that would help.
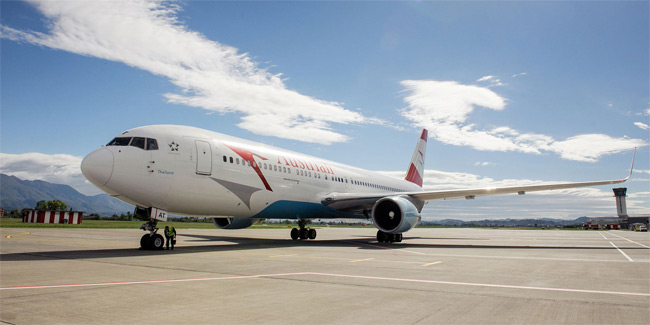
(249, 157)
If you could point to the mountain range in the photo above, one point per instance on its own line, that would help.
(16, 193)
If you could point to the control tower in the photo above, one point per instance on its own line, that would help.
(621, 207)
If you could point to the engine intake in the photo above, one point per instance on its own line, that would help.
(395, 214)
(234, 223)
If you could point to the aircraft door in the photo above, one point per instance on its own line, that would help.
(203, 158)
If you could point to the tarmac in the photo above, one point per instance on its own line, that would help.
(250, 276)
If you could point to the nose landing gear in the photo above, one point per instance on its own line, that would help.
(303, 233)
(152, 240)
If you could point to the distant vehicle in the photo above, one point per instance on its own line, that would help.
(188, 171)
(640, 227)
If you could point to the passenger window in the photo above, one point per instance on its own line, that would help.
(120, 141)
(275, 168)
(237, 161)
(225, 159)
(138, 142)
(152, 144)
(231, 160)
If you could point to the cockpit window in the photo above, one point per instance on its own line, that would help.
(120, 141)
(138, 142)
(142, 143)
(152, 144)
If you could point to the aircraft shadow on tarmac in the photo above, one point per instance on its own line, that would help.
(222, 244)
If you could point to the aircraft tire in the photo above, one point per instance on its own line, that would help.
(304, 233)
(381, 236)
(157, 242)
(312, 233)
(145, 242)
(295, 233)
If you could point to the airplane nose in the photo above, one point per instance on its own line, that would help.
(97, 166)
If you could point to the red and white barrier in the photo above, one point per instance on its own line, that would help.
(64, 217)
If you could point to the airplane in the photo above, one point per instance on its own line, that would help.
(183, 170)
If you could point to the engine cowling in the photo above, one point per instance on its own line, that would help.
(395, 214)
(234, 223)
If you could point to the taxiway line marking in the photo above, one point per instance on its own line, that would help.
(620, 251)
(149, 281)
(631, 241)
(602, 235)
(497, 256)
(481, 284)
(362, 260)
(349, 276)
(432, 263)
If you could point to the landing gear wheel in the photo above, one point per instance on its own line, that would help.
(145, 242)
(157, 242)
(304, 233)
(383, 237)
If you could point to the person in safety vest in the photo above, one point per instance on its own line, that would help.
(170, 235)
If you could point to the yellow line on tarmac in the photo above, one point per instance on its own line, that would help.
(22, 233)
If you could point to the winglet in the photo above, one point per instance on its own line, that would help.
(631, 167)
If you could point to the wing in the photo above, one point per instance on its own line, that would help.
(357, 201)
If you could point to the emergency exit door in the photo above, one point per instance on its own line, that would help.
(203, 158)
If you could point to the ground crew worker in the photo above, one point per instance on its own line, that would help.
(170, 235)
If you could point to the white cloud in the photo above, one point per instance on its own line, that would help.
(443, 107)
(494, 81)
(483, 163)
(519, 74)
(590, 147)
(642, 126)
(55, 168)
(148, 35)
(485, 78)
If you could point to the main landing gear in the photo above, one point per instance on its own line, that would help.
(384, 237)
(303, 233)
(152, 240)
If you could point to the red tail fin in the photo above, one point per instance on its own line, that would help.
(416, 169)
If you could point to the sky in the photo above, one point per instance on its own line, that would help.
(512, 93)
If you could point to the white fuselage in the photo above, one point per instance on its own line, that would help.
(196, 172)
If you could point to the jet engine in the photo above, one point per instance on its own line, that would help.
(395, 214)
(234, 223)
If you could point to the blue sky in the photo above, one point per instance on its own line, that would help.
(511, 92)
